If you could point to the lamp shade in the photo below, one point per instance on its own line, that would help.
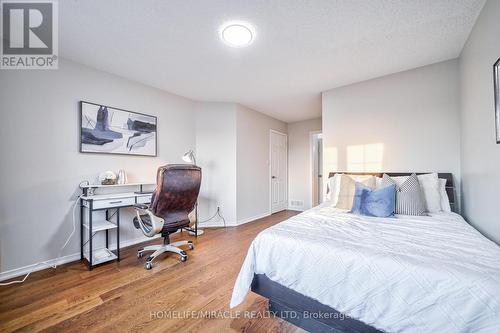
(189, 157)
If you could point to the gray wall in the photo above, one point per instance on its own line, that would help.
(216, 153)
(41, 165)
(480, 154)
(300, 180)
(252, 162)
(407, 121)
(232, 144)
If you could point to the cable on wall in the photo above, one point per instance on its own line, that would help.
(217, 213)
(46, 263)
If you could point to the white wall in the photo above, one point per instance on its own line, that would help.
(41, 165)
(407, 121)
(480, 154)
(299, 162)
(232, 146)
(216, 154)
(253, 133)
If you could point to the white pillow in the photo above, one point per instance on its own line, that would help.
(429, 184)
(362, 178)
(445, 201)
(333, 188)
(400, 179)
(348, 189)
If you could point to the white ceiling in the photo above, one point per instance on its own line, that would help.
(301, 49)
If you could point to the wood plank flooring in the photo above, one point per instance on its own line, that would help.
(124, 297)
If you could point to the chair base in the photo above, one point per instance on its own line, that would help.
(165, 247)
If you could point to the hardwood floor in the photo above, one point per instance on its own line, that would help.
(118, 297)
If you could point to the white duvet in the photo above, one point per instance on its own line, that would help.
(404, 274)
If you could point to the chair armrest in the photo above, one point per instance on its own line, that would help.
(156, 222)
(141, 206)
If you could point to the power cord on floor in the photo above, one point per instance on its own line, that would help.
(217, 213)
(46, 263)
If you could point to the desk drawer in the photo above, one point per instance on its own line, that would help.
(109, 203)
(144, 199)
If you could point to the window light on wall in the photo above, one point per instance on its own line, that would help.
(365, 158)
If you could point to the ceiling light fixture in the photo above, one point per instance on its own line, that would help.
(237, 34)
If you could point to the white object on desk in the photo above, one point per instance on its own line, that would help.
(122, 177)
(108, 176)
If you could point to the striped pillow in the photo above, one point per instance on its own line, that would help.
(409, 199)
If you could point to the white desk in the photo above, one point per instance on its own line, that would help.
(91, 202)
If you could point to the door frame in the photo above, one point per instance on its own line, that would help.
(271, 131)
(311, 165)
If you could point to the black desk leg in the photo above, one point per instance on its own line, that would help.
(118, 234)
(81, 229)
(91, 207)
(107, 234)
(196, 217)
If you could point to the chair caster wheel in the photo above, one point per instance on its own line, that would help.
(140, 254)
(191, 246)
(148, 265)
(184, 258)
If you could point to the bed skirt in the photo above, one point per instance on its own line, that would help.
(304, 311)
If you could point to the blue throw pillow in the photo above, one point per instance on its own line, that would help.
(379, 203)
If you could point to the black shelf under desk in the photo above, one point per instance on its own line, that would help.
(89, 227)
(111, 204)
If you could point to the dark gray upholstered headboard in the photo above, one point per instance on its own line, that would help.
(450, 185)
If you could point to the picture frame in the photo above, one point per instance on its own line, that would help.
(496, 82)
(109, 130)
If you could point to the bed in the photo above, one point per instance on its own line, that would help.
(327, 270)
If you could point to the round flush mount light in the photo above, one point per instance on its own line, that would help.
(237, 34)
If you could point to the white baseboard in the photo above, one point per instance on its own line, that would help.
(64, 260)
(298, 209)
(76, 256)
(217, 225)
(38, 267)
(233, 224)
(253, 218)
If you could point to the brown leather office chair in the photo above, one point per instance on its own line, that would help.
(172, 208)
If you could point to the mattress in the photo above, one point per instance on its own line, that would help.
(402, 274)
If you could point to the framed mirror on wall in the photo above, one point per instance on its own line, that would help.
(496, 78)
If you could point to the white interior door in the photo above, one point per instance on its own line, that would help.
(316, 167)
(278, 171)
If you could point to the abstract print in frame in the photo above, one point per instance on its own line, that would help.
(105, 129)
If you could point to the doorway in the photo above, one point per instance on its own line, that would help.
(316, 168)
(278, 171)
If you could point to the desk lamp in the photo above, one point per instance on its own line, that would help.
(189, 157)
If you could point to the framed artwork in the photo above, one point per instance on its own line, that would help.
(109, 130)
(496, 78)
